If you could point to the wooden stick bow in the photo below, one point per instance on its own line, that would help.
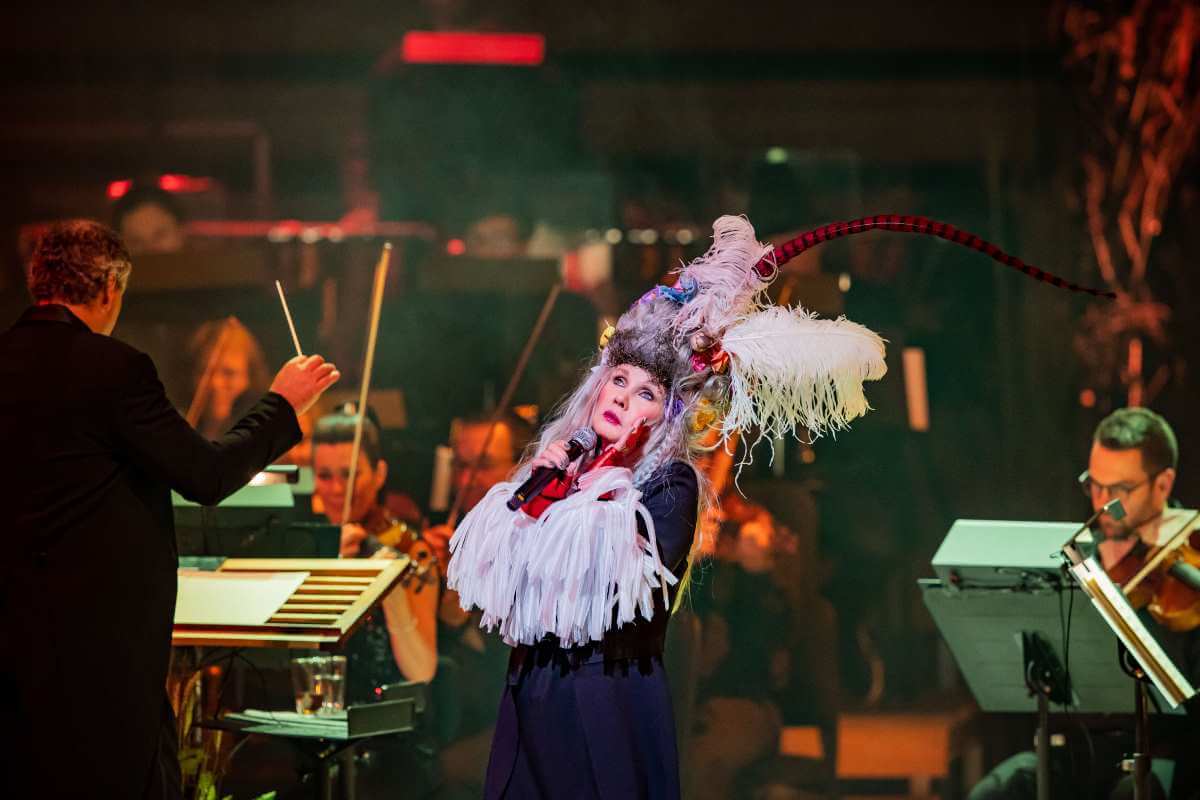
(381, 269)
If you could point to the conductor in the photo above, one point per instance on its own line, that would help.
(88, 567)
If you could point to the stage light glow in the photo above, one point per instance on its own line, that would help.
(612, 236)
(118, 189)
(183, 184)
(496, 49)
(456, 247)
(916, 391)
(777, 155)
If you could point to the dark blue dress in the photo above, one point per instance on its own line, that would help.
(596, 721)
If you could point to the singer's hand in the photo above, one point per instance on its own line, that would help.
(632, 438)
(554, 457)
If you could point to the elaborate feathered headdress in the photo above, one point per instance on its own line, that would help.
(751, 365)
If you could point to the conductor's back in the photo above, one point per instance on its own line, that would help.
(92, 448)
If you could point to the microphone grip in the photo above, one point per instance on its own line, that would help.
(542, 476)
(531, 487)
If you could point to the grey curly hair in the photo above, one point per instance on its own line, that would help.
(73, 261)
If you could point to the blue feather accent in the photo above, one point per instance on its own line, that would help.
(682, 292)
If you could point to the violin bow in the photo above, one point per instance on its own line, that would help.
(381, 269)
(506, 398)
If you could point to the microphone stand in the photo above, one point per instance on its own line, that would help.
(1113, 508)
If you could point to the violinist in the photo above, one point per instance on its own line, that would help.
(1133, 458)
(403, 644)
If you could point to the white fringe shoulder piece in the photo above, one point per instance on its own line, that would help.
(564, 573)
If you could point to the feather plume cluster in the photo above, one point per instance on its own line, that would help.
(789, 369)
(727, 285)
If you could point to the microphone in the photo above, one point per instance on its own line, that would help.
(581, 441)
(1113, 508)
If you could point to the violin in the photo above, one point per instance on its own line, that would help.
(1165, 579)
(406, 539)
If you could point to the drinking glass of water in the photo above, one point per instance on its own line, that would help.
(320, 684)
(331, 683)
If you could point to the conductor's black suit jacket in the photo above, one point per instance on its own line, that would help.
(90, 448)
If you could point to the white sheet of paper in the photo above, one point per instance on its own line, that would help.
(232, 598)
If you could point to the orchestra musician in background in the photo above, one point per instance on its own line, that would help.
(89, 572)
(229, 371)
(402, 645)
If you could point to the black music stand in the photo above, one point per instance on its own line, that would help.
(1008, 643)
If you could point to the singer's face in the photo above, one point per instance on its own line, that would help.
(628, 395)
(1123, 475)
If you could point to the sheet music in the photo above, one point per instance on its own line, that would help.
(1112, 605)
(232, 598)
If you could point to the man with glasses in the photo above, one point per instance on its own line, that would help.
(1133, 458)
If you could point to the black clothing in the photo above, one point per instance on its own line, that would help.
(87, 597)
(596, 720)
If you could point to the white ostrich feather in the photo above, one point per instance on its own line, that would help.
(729, 287)
(790, 369)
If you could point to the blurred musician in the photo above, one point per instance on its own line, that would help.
(89, 574)
(149, 221)
(229, 373)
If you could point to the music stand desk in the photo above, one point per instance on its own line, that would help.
(321, 614)
(983, 628)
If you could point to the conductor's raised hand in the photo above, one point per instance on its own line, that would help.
(303, 379)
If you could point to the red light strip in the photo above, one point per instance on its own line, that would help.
(503, 49)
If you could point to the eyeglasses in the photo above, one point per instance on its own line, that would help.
(1121, 491)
